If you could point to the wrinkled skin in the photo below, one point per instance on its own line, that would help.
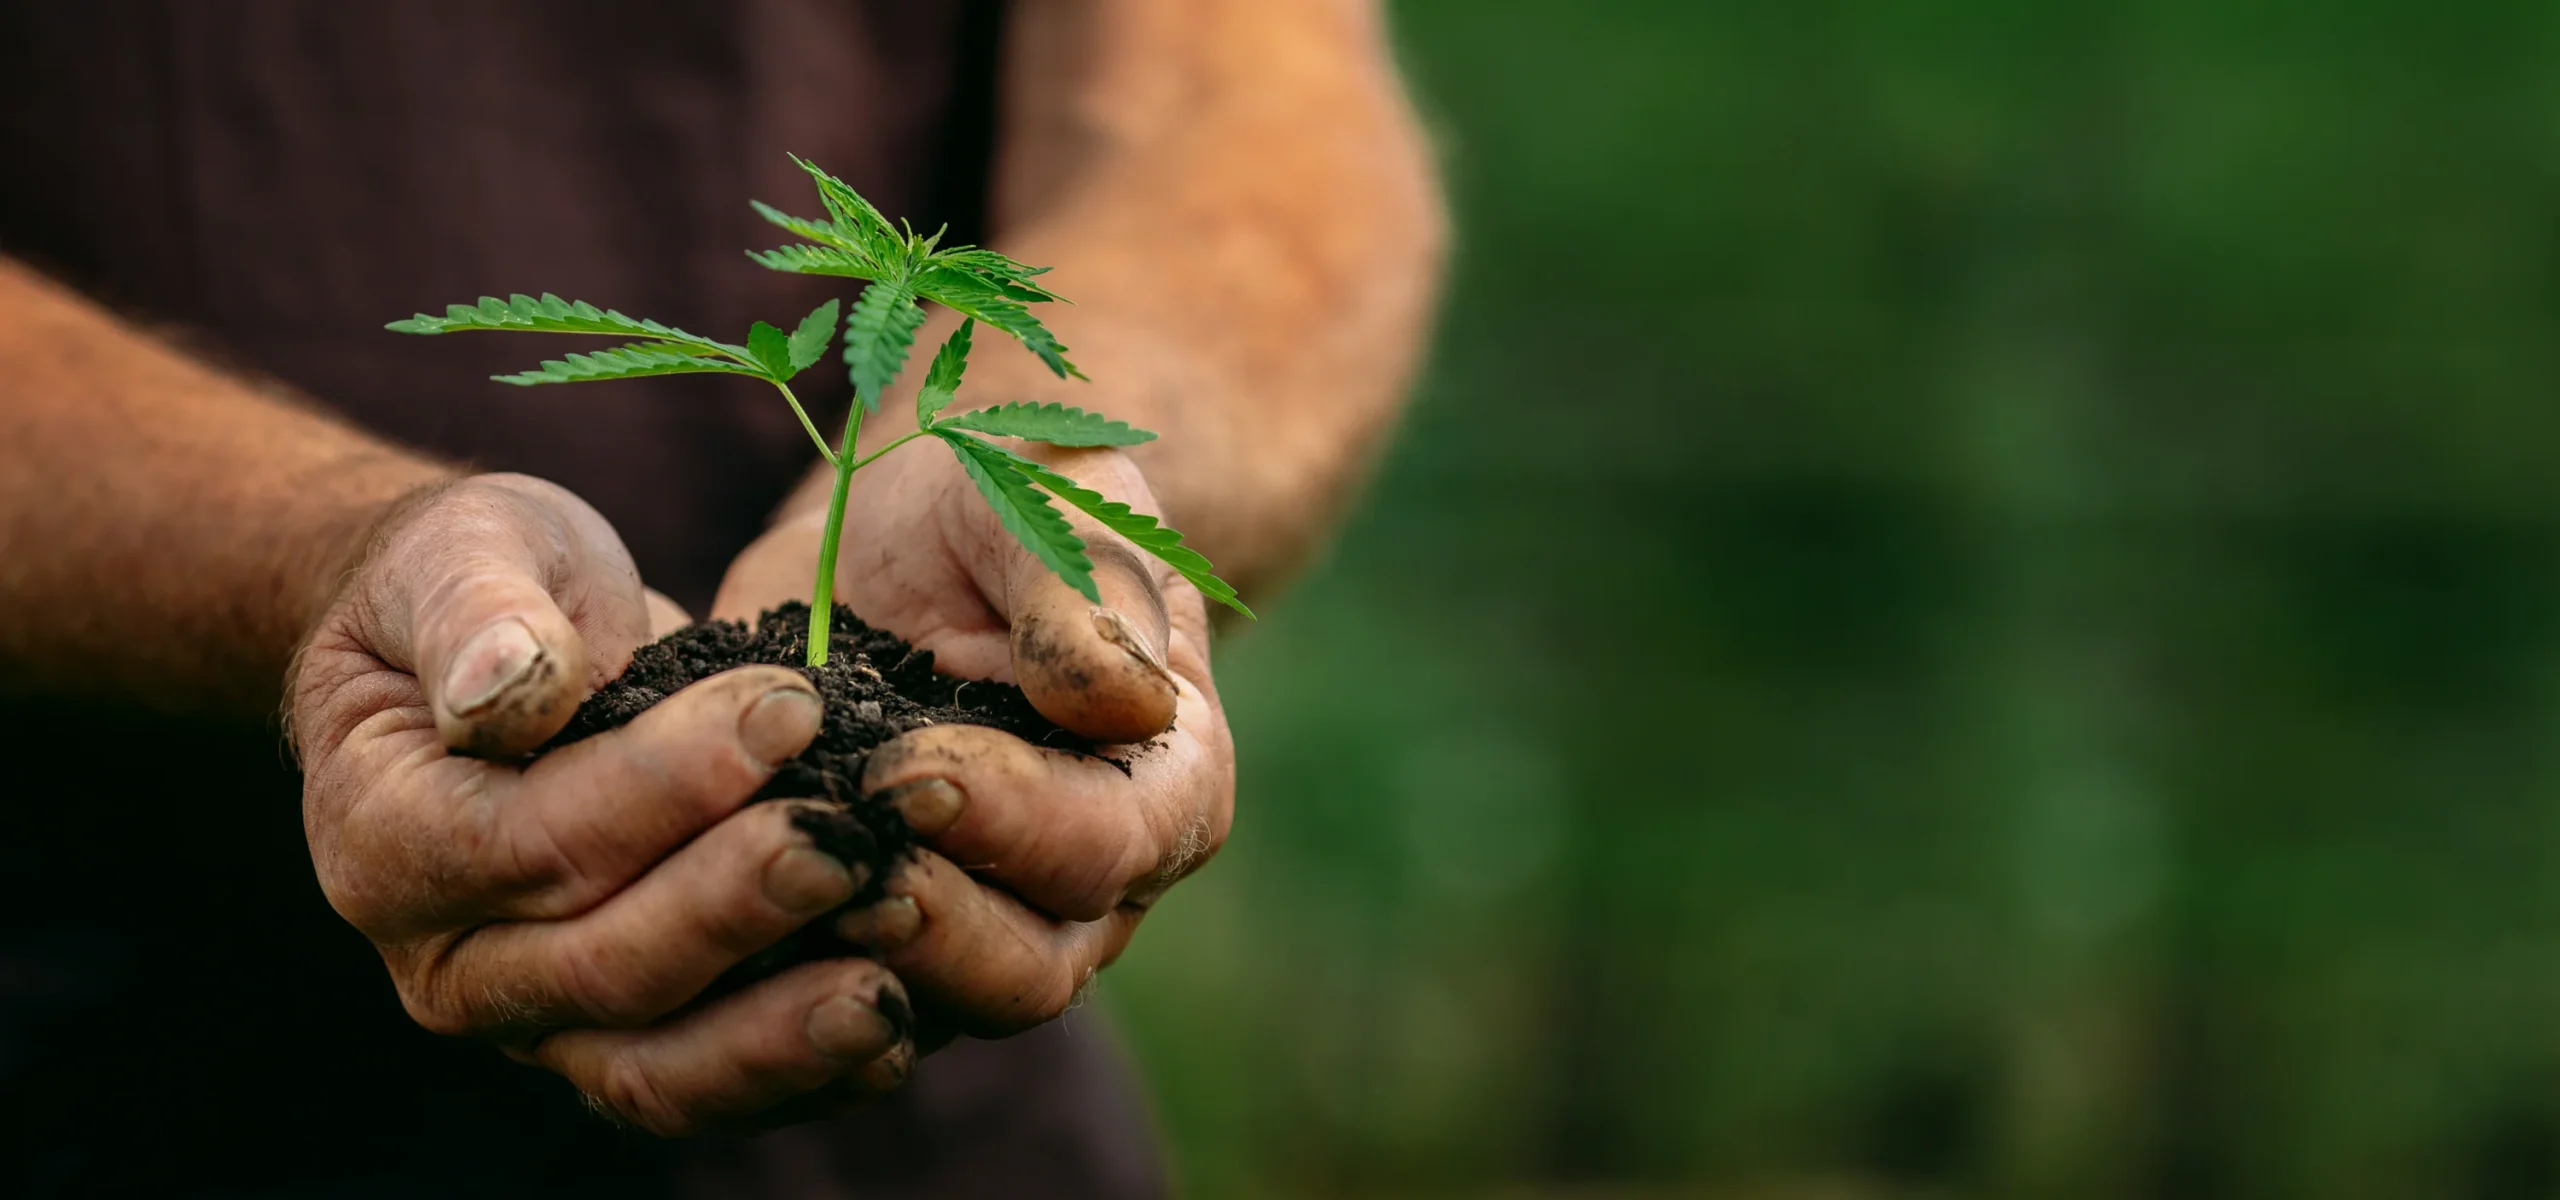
(571, 909)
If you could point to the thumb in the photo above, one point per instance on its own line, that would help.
(1097, 669)
(509, 599)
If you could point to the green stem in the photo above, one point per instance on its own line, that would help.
(805, 422)
(822, 597)
(866, 459)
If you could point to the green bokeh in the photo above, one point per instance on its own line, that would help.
(1971, 606)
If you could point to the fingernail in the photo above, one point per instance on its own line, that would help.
(805, 880)
(888, 1071)
(929, 805)
(780, 723)
(491, 662)
(885, 927)
(892, 1006)
(1117, 629)
(848, 1029)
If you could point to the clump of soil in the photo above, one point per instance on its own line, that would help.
(875, 687)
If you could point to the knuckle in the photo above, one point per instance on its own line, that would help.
(487, 509)
(1213, 838)
(449, 998)
(1017, 765)
(1103, 895)
(1141, 850)
(1189, 847)
(603, 988)
(1042, 988)
(335, 685)
(1198, 841)
(424, 979)
(352, 893)
(361, 858)
(1051, 993)
(626, 1087)
(514, 849)
(1119, 854)
(432, 1012)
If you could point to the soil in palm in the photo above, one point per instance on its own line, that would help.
(875, 688)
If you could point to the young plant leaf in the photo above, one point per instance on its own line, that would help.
(822, 232)
(819, 260)
(551, 314)
(942, 380)
(809, 341)
(997, 271)
(859, 243)
(855, 219)
(1143, 531)
(772, 348)
(1056, 424)
(626, 362)
(877, 335)
(1024, 512)
(972, 296)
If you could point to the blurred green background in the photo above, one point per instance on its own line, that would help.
(1970, 607)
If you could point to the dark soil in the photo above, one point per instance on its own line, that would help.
(875, 687)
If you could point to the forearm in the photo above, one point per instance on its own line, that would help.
(167, 532)
(1238, 201)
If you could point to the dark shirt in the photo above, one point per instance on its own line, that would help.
(180, 1012)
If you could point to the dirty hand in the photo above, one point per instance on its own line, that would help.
(1040, 863)
(570, 909)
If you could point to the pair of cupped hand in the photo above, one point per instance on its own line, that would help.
(573, 908)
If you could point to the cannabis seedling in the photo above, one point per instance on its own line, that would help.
(902, 270)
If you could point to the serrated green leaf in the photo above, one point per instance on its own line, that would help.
(996, 271)
(626, 362)
(878, 333)
(549, 314)
(824, 233)
(855, 218)
(771, 347)
(860, 243)
(942, 380)
(1027, 329)
(1143, 531)
(818, 260)
(1024, 512)
(971, 296)
(809, 341)
(1056, 424)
